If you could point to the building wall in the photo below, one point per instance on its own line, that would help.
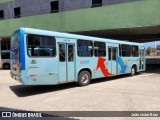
(4, 1)
(28, 7)
(36, 7)
(66, 5)
(112, 16)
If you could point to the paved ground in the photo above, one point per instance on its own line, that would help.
(123, 93)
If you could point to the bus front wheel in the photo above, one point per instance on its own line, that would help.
(84, 78)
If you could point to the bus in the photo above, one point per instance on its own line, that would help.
(40, 57)
(5, 59)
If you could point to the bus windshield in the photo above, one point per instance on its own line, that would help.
(15, 50)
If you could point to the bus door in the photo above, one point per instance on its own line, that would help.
(113, 60)
(66, 62)
(142, 59)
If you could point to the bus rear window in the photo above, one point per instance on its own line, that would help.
(39, 46)
(5, 55)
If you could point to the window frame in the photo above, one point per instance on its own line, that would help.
(54, 38)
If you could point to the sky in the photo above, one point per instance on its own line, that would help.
(151, 44)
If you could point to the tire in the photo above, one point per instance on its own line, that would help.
(84, 78)
(6, 66)
(133, 71)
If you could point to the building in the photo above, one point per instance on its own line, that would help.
(133, 20)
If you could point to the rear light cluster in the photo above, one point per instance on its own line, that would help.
(16, 67)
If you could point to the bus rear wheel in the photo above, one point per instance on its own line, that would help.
(133, 71)
(84, 78)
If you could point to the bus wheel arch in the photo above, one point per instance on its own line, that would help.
(133, 70)
(84, 77)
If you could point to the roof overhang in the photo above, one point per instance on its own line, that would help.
(136, 34)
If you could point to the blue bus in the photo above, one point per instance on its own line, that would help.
(40, 57)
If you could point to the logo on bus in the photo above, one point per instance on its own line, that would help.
(33, 61)
(84, 62)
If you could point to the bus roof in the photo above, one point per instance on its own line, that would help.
(73, 36)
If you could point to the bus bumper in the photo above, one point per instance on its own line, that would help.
(15, 77)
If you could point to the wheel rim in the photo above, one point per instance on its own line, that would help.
(6, 66)
(133, 71)
(85, 78)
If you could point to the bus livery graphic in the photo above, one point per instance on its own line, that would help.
(33, 61)
(101, 65)
(123, 66)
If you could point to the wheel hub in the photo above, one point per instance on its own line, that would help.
(84, 78)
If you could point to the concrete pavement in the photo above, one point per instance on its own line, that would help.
(122, 93)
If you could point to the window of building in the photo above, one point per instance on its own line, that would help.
(96, 3)
(54, 6)
(99, 49)
(85, 48)
(1, 14)
(125, 50)
(39, 46)
(17, 12)
(135, 51)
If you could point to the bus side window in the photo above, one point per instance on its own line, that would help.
(126, 50)
(99, 49)
(85, 48)
(39, 46)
